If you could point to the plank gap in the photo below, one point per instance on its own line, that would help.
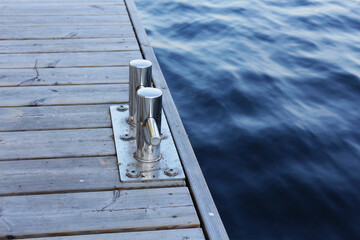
(74, 104)
(88, 66)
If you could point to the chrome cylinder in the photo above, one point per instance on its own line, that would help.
(148, 126)
(139, 76)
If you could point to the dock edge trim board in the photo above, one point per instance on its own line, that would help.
(206, 208)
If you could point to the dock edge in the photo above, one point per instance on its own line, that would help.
(205, 206)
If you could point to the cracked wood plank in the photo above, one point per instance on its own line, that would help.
(54, 117)
(39, 176)
(175, 234)
(65, 32)
(56, 143)
(33, 21)
(131, 210)
(69, 45)
(62, 9)
(61, 60)
(63, 76)
(63, 95)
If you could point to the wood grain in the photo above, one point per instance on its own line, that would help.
(63, 95)
(56, 2)
(65, 32)
(54, 117)
(58, 175)
(61, 60)
(69, 45)
(61, 65)
(63, 76)
(61, 175)
(90, 212)
(176, 234)
(35, 21)
(62, 9)
(213, 226)
(56, 143)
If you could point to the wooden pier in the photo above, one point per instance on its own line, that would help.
(62, 64)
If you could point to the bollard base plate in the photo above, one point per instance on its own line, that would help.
(153, 171)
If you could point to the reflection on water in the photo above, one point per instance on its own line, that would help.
(269, 94)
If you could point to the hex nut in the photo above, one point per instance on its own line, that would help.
(122, 108)
(171, 172)
(132, 173)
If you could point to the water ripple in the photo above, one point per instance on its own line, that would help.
(269, 94)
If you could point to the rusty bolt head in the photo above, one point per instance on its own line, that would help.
(171, 172)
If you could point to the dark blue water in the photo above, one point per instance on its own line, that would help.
(269, 92)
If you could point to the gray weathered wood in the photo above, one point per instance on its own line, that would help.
(64, 32)
(54, 117)
(96, 212)
(62, 9)
(58, 175)
(56, 2)
(66, 175)
(213, 226)
(63, 95)
(56, 143)
(69, 45)
(63, 76)
(67, 160)
(176, 234)
(97, 20)
(58, 60)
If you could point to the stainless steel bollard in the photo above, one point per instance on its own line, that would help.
(148, 126)
(139, 76)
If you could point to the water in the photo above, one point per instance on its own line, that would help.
(269, 94)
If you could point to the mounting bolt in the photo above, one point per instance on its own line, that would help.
(127, 137)
(121, 108)
(171, 172)
(132, 174)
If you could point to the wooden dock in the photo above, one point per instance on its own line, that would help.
(62, 64)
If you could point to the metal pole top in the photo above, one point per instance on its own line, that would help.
(149, 92)
(140, 63)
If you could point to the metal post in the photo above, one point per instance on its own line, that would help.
(139, 76)
(148, 126)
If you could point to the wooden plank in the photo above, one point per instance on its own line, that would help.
(58, 60)
(63, 76)
(58, 175)
(56, 143)
(63, 95)
(213, 226)
(64, 32)
(56, 2)
(176, 234)
(69, 45)
(54, 117)
(61, 9)
(66, 175)
(97, 20)
(97, 212)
